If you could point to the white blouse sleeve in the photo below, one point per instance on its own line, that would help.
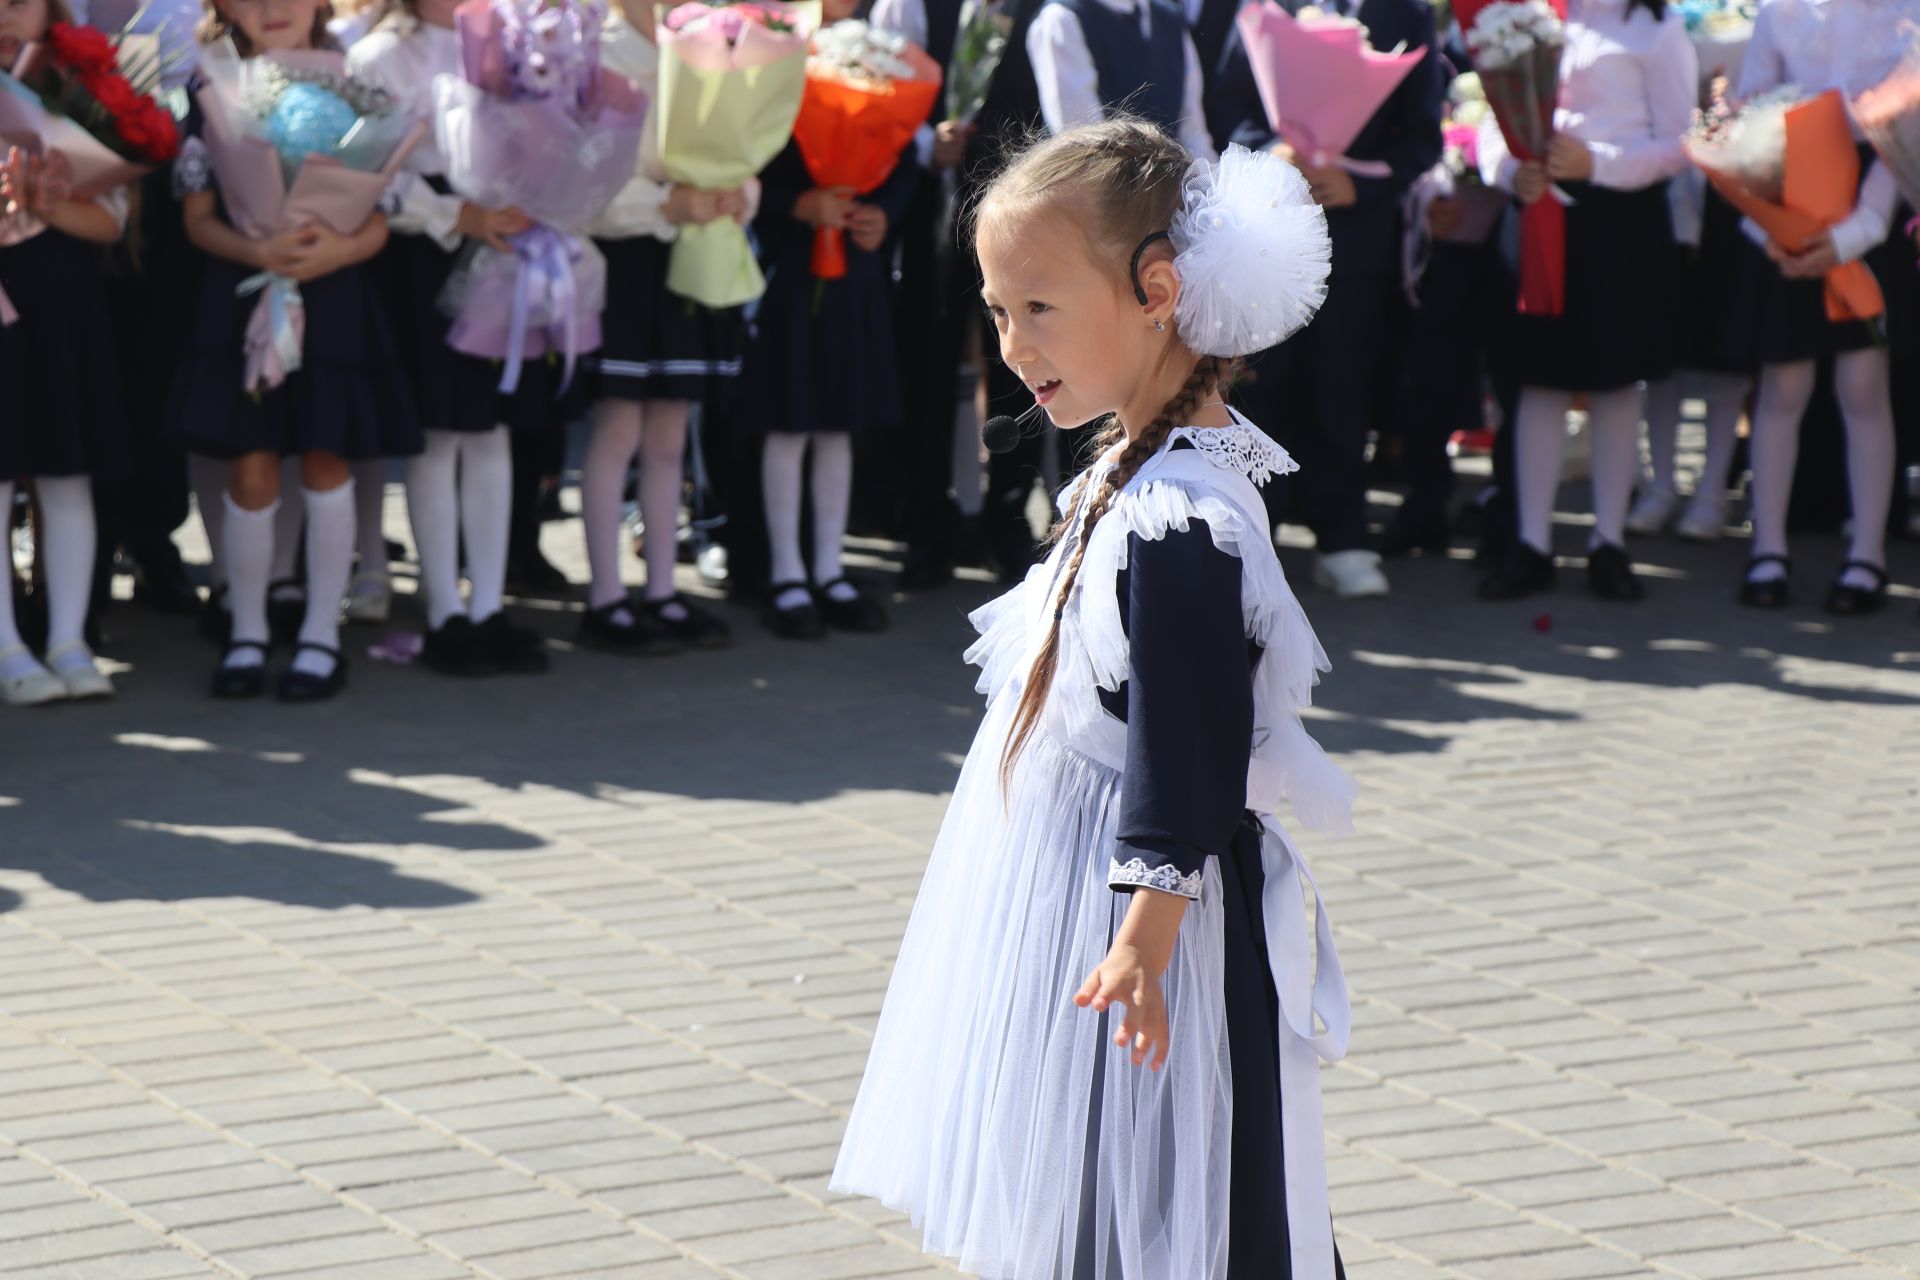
(1871, 221)
(1063, 69)
(1762, 67)
(1672, 74)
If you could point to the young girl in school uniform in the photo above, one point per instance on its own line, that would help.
(60, 424)
(1780, 307)
(1112, 843)
(819, 369)
(459, 487)
(1628, 82)
(659, 353)
(347, 402)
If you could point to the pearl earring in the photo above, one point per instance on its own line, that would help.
(1159, 327)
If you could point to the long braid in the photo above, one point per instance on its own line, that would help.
(1210, 373)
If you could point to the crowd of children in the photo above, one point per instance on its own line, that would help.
(123, 373)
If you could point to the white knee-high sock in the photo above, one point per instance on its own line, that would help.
(21, 664)
(369, 509)
(1539, 449)
(780, 481)
(1860, 380)
(208, 477)
(663, 460)
(1613, 418)
(330, 532)
(1663, 431)
(1785, 390)
(248, 552)
(433, 509)
(68, 529)
(486, 507)
(1726, 396)
(289, 520)
(603, 483)
(832, 499)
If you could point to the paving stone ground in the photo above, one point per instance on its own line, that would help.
(575, 976)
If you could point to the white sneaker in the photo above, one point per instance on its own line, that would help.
(1705, 519)
(370, 598)
(36, 688)
(1351, 575)
(1653, 513)
(74, 666)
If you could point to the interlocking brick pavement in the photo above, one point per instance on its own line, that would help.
(574, 977)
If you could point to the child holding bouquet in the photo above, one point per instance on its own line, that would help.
(257, 388)
(1628, 80)
(821, 366)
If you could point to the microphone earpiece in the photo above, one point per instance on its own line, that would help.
(1002, 434)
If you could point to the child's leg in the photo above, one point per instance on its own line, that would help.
(832, 499)
(1785, 390)
(1663, 432)
(17, 664)
(1726, 396)
(486, 509)
(247, 532)
(663, 456)
(780, 462)
(1613, 419)
(328, 481)
(1860, 382)
(603, 482)
(68, 540)
(433, 509)
(209, 479)
(1539, 446)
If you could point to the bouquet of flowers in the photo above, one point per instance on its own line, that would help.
(1889, 116)
(91, 98)
(535, 123)
(866, 94)
(1319, 80)
(982, 43)
(731, 79)
(294, 140)
(1790, 165)
(1516, 46)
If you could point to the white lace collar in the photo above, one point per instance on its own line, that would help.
(1241, 447)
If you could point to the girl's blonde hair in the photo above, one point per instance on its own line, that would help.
(1121, 180)
(214, 28)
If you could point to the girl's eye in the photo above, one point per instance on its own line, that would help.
(995, 314)
(1037, 308)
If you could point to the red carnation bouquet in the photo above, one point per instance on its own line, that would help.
(91, 97)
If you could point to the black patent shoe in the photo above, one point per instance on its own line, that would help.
(455, 649)
(695, 627)
(1767, 593)
(1610, 574)
(1524, 572)
(637, 633)
(1847, 600)
(862, 613)
(235, 683)
(302, 686)
(1405, 537)
(802, 622)
(515, 650)
(286, 613)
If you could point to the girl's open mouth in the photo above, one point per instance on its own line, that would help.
(1045, 391)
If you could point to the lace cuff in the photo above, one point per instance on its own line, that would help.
(192, 173)
(1136, 874)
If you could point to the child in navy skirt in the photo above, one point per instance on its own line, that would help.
(1628, 83)
(61, 424)
(659, 355)
(820, 367)
(349, 400)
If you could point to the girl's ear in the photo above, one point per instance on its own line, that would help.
(1161, 285)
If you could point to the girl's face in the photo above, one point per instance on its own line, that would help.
(273, 25)
(835, 10)
(1070, 327)
(21, 23)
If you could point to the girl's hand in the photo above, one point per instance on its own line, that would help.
(867, 225)
(691, 204)
(825, 206)
(323, 252)
(1568, 159)
(491, 227)
(1125, 978)
(1530, 181)
(1812, 263)
(282, 254)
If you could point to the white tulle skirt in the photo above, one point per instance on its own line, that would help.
(991, 1111)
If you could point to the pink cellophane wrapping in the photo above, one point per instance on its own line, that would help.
(1319, 83)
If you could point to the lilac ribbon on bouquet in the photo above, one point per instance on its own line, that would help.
(546, 275)
(276, 331)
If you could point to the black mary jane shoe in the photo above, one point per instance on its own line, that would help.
(695, 627)
(1765, 593)
(286, 613)
(1847, 600)
(454, 648)
(862, 613)
(301, 686)
(1524, 572)
(638, 633)
(1610, 574)
(515, 650)
(801, 622)
(236, 683)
